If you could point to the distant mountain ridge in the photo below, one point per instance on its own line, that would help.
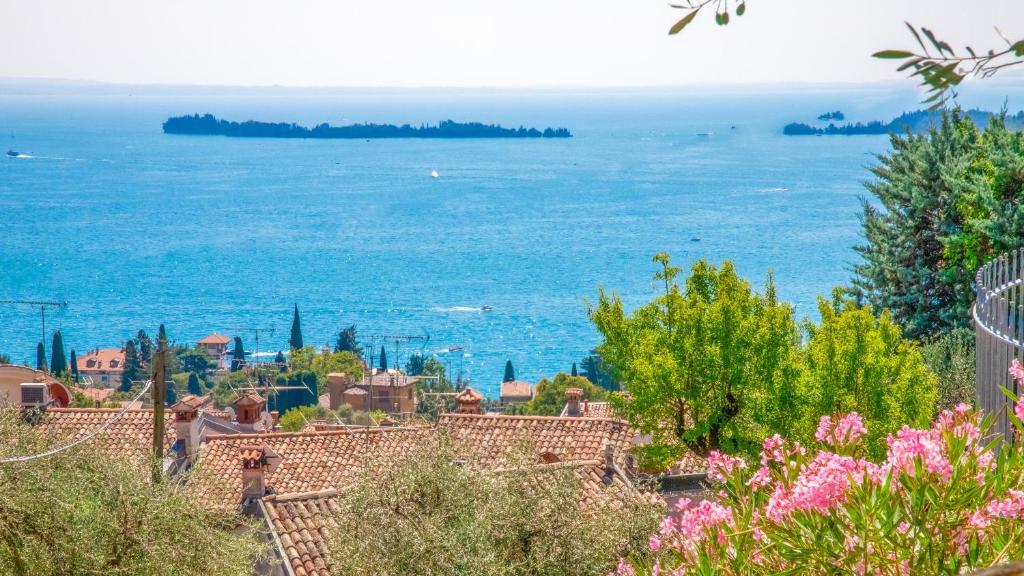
(210, 125)
(916, 121)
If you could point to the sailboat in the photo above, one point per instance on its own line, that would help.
(434, 174)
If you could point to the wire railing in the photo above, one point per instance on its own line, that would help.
(999, 334)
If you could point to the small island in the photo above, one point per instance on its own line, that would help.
(916, 121)
(837, 115)
(209, 125)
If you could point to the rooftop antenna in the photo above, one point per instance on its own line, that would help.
(255, 330)
(43, 305)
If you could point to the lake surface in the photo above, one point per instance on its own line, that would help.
(133, 227)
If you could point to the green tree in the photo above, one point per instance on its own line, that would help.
(280, 360)
(951, 359)
(549, 395)
(709, 364)
(170, 393)
(58, 362)
(414, 366)
(74, 366)
(91, 511)
(237, 355)
(321, 364)
(594, 370)
(347, 341)
(5, 359)
(295, 341)
(40, 357)
(383, 360)
(196, 359)
(574, 372)
(195, 388)
(510, 373)
(144, 344)
(857, 362)
(132, 366)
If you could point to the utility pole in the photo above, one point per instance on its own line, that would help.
(159, 388)
(42, 305)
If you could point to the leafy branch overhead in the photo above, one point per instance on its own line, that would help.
(722, 11)
(943, 68)
(940, 68)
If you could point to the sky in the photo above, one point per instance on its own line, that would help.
(475, 43)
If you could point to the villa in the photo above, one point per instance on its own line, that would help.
(217, 346)
(102, 367)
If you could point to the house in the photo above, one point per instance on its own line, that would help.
(390, 391)
(128, 435)
(515, 392)
(217, 346)
(102, 366)
(12, 377)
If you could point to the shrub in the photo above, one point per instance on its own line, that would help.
(432, 512)
(951, 358)
(941, 501)
(549, 396)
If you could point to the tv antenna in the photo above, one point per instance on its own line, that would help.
(255, 331)
(43, 306)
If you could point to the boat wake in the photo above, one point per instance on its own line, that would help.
(774, 190)
(463, 309)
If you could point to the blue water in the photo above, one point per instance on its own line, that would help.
(134, 227)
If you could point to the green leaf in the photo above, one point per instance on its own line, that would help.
(742, 9)
(678, 26)
(893, 54)
(1018, 48)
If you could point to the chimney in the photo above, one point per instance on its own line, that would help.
(586, 406)
(274, 417)
(468, 402)
(257, 462)
(186, 424)
(572, 399)
(248, 408)
(609, 463)
(337, 382)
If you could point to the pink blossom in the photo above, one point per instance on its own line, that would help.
(772, 450)
(761, 478)
(655, 543)
(721, 466)
(847, 430)
(927, 446)
(1010, 507)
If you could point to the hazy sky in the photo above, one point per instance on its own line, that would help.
(523, 43)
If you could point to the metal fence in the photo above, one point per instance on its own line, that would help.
(999, 333)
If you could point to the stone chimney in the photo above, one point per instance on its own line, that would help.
(337, 382)
(248, 408)
(257, 463)
(469, 402)
(186, 424)
(274, 417)
(609, 463)
(572, 400)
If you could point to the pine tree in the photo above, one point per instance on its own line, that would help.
(40, 357)
(58, 362)
(383, 359)
(170, 394)
(295, 342)
(237, 355)
(145, 347)
(510, 373)
(74, 366)
(132, 366)
(574, 372)
(347, 341)
(194, 387)
(414, 367)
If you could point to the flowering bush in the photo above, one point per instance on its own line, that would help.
(944, 499)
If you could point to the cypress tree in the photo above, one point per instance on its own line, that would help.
(194, 387)
(280, 359)
(58, 362)
(383, 359)
(40, 357)
(132, 366)
(296, 338)
(170, 394)
(510, 373)
(161, 343)
(145, 347)
(574, 372)
(74, 365)
(238, 355)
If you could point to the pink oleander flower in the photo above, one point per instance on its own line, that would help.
(1010, 507)
(760, 479)
(772, 450)
(960, 422)
(624, 569)
(820, 486)
(1017, 370)
(910, 445)
(846, 431)
(721, 466)
(696, 523)
(655, 543)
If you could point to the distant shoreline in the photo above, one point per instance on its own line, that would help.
(209, 125)
(916, 121)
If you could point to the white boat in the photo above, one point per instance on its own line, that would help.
(434, 174)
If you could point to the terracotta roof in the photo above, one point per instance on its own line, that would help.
(302, 522)
(593, 410)
(131, 435)
(354, 392)
(310, 461)
(215, 339)
(470, 395)
(109, 359)
(383, 379)
(516, 389)
(220, 414)
(97, 394)
(494, 438)
(600, 486)
(248, 397)
(191, 402)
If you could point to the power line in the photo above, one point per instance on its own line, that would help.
(43, 305)
(88, 436)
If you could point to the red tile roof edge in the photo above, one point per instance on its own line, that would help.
(304, 433)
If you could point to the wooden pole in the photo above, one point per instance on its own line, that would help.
(159, 395)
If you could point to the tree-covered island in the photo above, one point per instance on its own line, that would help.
(210, 125)
(916, 121)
